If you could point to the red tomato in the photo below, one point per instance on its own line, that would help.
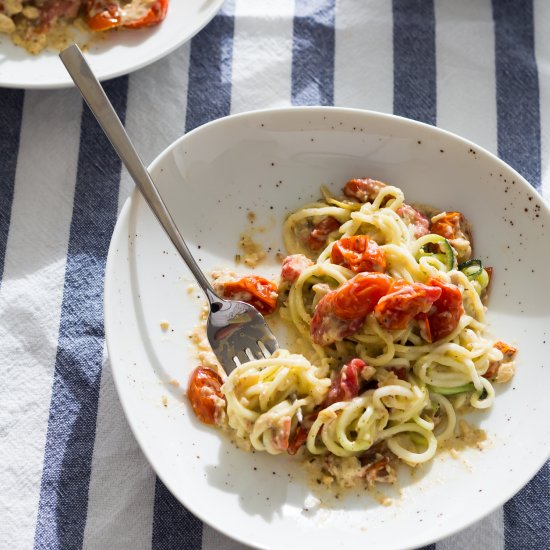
(318, 237)
(293, 266)
(300, 435)
(451, 226)
(446, 311)
(357, 297)
(155, 14)
(282, 434)
(326, 327)
(363, 189)
(508, 353)
(404, 301)
(254, 290)
(204, 393)
(358, 253)
(411, 216)
(102, 15)
(346, 384)
(298, 440)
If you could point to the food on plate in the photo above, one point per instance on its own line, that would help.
(37, 24)
(388, 303)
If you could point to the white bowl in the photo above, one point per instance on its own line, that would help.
(110, 54)
(271, 162)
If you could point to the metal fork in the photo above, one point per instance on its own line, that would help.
(236, 331)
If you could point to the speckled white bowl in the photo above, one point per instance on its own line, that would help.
(109, 54)
(271, 162)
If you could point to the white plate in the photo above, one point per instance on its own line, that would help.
(115, 54)
(271, 162)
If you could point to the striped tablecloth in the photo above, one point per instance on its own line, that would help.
(71, 473)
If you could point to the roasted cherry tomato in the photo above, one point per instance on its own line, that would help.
(411, 216)
(299, 438)
(293, 266)
(358, 253)
(318, 237)
(403, 303)
(300, 434)
(451, 226)
(204, 393)
(326, 327)
(508, 353)
(345, 385)
(357, 297)
(363, 189)
(254, 290)
(102, 15)
(446, 310)
(153, 16)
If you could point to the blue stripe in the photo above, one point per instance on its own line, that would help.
(208, 98)
(10, 128)
(75, 393)
(414, 68)
(210, 70)
(527, 515)
(518, 108)
(173, 526)
(313, 53)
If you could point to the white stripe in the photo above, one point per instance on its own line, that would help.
(262, 54)
(156, 109)
(466, 85)
(30, 300)
(487, 534)
(122, 486)
(542, 52)
(363, 72)
(214, 540)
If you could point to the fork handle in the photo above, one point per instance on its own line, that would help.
(105, 114)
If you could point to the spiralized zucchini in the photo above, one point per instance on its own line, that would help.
(412, 387)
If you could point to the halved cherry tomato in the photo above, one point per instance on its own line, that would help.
(318, 237)
(411, 216)
(363, 189)
(254, 290)
(346, 384)
(293, 266)
(357, 297)
(451, 226)
(404, 301)
(300, 434)
(508, 353)
(204, 393)
(326, 327)
(102, 15)
(446, 310)
(282, 434)
(358, 253)
(156, 13)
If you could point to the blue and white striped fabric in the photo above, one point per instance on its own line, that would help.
(71, 473)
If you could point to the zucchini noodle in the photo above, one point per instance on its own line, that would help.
(409, 384)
